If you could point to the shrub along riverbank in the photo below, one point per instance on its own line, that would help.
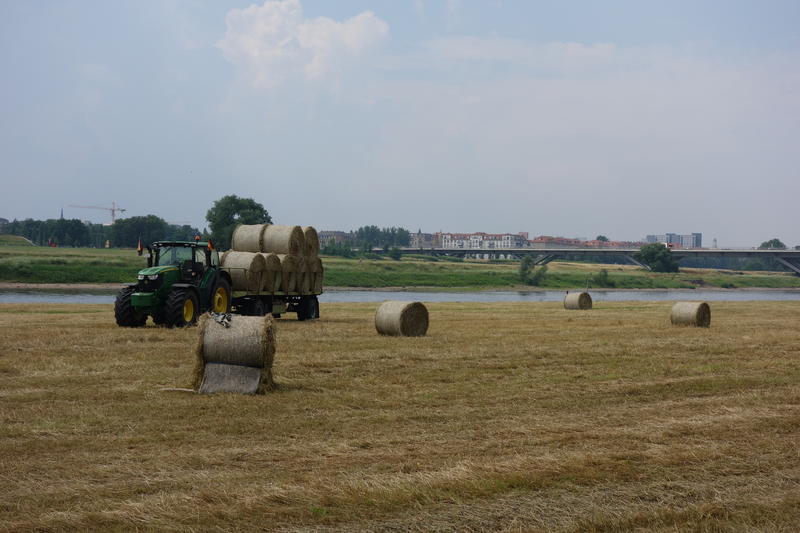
(29, 264)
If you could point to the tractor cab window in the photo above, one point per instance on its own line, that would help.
(174, 255)
(200, 255)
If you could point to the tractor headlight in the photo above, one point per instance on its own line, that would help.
(141, 277)
(153, 277)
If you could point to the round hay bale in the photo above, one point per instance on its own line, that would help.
(691, 314)
(271, 278)
(236, 358)
(315, 266)
(303, 276)
(311, 240)
(290, 272)
(245, 268)
(409, 319)
(248, 237)
(283, 240)
(578, 300)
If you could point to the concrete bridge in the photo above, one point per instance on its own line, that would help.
(788, 258)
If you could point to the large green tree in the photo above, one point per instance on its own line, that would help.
(658, 257)
(126, 232)
(230, 211)
(772, 244)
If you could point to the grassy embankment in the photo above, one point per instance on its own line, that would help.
(87, 265)
(506, 416)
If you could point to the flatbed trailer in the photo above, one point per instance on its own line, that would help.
(276, 303)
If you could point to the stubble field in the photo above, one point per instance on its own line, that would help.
(505, 417)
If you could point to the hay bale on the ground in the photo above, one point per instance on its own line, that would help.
(290, 271)
(283, 240)
(237, 358)
(245, 268)
(578, 300)
(311, 241)
(691, 314)
(315, 267)
(409, 319)
(248, 237)
(271, 279)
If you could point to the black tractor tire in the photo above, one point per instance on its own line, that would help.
(181, 309)
(158, 318)
(126, 315)
(220, 307)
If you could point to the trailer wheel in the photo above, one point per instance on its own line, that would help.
(307, 309)
(316, 307)
(257, 308)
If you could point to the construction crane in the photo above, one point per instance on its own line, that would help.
(113, 209)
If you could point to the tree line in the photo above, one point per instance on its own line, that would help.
(123, 233)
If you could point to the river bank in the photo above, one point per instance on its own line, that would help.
(100, 269)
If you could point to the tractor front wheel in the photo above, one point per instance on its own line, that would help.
(182, 308)
(126, 315)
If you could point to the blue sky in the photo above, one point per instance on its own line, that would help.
(560, 118)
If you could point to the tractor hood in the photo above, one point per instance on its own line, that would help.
(152, 271)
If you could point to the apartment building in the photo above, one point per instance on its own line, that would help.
(486, 241)
(692, 240)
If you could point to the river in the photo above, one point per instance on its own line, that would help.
(344, 295)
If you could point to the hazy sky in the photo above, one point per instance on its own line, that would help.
(560, 118)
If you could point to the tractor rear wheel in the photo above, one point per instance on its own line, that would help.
(181, 309)
(126, 315)
(221, 297)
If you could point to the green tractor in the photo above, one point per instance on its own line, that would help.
(182, 280)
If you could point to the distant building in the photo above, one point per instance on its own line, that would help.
(333, 237)
(3, 222)
(486, 241)
(546, 241)
(424, 240)
(692, 240)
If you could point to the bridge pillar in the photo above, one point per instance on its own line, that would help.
(635, 262)
(788, 263)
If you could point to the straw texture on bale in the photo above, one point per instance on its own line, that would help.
(578, 300)
(315, 267)
(271, 278)
(408, 319)
(246, 349)
(290, 272)
(303, 276)
(311, 241)
(691, 314)
(248, 238)
(246, 269)
(283, 240)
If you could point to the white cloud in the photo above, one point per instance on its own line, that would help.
(274, 42)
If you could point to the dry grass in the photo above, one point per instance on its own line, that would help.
(505, 417)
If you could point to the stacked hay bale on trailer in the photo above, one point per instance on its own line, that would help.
(290, 272)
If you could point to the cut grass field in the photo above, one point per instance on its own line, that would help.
(89, 265)
(505, 417)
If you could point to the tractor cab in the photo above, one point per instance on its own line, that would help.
(193, 259)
